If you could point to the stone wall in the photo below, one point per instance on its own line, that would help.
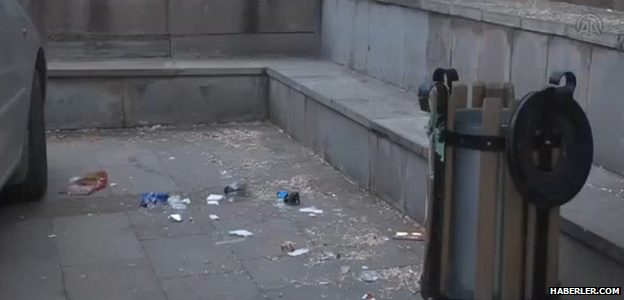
(177, 28)
(402, 41)
(609, 4)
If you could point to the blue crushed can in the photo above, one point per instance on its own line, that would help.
(289, 197)
(151, 199)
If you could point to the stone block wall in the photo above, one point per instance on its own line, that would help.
(176, 28)
(610, 4)
(122, 102)
(403, 41)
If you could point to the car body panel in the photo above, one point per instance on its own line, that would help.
(20, 44)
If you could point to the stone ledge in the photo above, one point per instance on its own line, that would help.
(164, 67)
(372, 110)
(547, 17)
(588, 237)
(381, 108)
(158, 72)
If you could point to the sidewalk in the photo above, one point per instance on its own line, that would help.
(105, 246)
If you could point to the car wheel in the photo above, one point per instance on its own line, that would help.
(35, 183)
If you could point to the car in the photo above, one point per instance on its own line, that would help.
(23, 80)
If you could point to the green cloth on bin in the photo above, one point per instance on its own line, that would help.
(437, 125)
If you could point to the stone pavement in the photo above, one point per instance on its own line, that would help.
(105, 246)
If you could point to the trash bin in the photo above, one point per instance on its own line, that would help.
(496, 189)
(465, 211)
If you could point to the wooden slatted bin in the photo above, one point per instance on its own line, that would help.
(476, 189)
(481, 234)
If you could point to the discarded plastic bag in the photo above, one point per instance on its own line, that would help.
(88, 184)
(176, 203)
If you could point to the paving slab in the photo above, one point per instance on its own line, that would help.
(393, 283)
(267, 239)
(96, 239)
(123, 280)
(289, 271)
(241, 215)
(27, 241)
(190, 256)
(60, 205)
(150, 224)
(138, 179)
(105, 245)
(17, 280)
(233, 286)
(314, 293)
(76, 160)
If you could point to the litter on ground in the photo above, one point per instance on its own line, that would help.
(332, 247)
(88, 184)
(289, 197)
(175, 218)
(235, 189)
(176, 203)
(241, 233)
(230, 241)
(155, 127)
(288, 246)
(299, 252)
(369, 275)
(410, 236)
(214, 197)
(311, 210)
(151, 199)
(326, 255)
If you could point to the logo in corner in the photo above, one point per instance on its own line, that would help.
(589, 24)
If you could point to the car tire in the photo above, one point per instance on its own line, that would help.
(35, 183)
